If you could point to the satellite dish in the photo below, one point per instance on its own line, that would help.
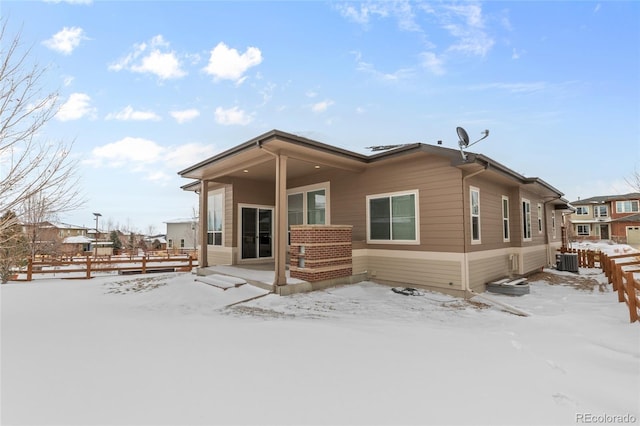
(463, 140)
(463, 137)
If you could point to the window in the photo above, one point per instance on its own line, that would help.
(316, 207)
(182, 243)
(393, 217)
(629, 206)
(215, 217)
(526, 220)
(582, 210)
(584, 229)
(308, 205)
(601, 211)
(539, 218)
(170, 243)
(553, 223)
(505, 218)
(475, 214)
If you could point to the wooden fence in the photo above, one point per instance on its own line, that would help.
(620, 271)
(86, 267)
(586, 258)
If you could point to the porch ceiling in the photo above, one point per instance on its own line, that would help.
(257, 161)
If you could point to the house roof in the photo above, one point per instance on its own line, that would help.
(629, 218)
(306, 154)
(608, 198)
(78, 239)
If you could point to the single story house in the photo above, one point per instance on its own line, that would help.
(607, 217)
(420, 215)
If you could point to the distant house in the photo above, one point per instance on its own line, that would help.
(607, 217)
(419, 215)
(182, 234)
(50, 237)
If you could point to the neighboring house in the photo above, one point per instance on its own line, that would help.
(50, 237)
(156, 242)
(607, 217)
(182, 234)
(419, 215)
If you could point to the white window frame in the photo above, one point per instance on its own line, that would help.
(506, 231)
(553, 224)
(474, 214)
(588, 227)
(304, 190)
(627, 206)
(582, 210)
(389, 195)
(598, 213)
(526, 220)
(540, 215)
(210, 194)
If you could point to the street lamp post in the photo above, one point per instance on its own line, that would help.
(95, 251)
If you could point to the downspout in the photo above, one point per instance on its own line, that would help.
(468, 292)
(548, 240)
(465, 278)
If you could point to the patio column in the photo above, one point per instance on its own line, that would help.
(203, 228)
(281, 222)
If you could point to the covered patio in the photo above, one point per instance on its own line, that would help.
(247, 202)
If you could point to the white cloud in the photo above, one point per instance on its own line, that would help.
(154, 58)
(432, 62)
(321, 106)
(470, 34)
(366, 67)
(66, 40)
(128, 114)
(185, 115)
(128, 151)
(148, 158)
(232, 116)
(77, 106)
(187, 154)
(228, 64)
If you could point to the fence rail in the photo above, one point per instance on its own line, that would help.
(621, 271)
(88, 266)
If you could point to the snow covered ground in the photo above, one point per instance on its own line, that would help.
(164, 350)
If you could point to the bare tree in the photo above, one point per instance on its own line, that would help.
(34, 173)
(634, 180)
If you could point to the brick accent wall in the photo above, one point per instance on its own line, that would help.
(320, 252)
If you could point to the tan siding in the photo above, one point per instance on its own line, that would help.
(440, 196)
(425, 270)
(219, 256)
(482, 271)
(535, 259)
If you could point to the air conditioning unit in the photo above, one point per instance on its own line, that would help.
(567, 262)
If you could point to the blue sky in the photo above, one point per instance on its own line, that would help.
(148, 88)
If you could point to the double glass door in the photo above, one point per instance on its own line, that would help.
(256, 232)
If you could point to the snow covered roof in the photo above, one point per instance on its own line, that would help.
(77, 239)
(183, 220)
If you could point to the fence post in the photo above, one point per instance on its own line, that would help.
(631, 295)
(619, 279)
(144, 265)
(30, 269)
(88, 267)
(612, 270)
(190, 263)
